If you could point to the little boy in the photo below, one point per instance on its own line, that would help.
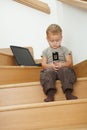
(56, 63)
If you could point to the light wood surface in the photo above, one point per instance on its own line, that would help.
(6, 60)
(22, 108)
(36, 4)
(77, 3)
(28, 93)
(19, 74)
(44, 115)
(81, 69)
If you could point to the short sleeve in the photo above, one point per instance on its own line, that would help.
(67, 51)
(44, 53)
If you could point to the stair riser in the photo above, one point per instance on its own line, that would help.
(33, 93)
(16, 74)
(46, 116)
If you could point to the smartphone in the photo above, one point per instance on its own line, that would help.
(55, 56)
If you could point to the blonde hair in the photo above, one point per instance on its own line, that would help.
(54, 29)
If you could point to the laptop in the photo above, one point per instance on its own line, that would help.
(23, 56)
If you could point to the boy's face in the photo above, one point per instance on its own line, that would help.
(54, 40)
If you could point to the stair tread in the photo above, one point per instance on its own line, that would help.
(71, 127)
(44, 104)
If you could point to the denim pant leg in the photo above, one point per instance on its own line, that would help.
(48, 79)
(67, 77)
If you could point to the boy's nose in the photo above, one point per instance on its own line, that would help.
(54, 41)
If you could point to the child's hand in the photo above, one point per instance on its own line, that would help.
(54, 66)
(58, 65)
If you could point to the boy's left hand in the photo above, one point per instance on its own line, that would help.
(58, 64)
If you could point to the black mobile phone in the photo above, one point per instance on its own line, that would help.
(55, 56)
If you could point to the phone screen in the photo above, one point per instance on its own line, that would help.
(55, 56)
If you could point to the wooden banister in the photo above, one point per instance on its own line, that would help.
(36, 4)
(78, 3)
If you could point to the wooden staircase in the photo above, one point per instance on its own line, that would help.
(22, 108)
(21, 99)
(11, 73)
(31, 92)
(43, 116)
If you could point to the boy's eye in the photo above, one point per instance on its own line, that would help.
(55, 41)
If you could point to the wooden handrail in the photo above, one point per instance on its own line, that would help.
(36, 4)
(78, 3)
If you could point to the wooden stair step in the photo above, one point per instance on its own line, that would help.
(81, 69)
(19, 74)
(71, 127)
(31, 92)
(44, 116)
(22, 74)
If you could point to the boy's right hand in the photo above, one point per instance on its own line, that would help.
(54, 66)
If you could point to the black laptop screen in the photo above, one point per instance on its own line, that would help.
(22, 56)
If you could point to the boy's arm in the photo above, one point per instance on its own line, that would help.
(45, 65)
(57, 65)
(68, 62)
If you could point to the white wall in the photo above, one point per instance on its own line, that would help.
(24, 26)
(75, 31)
